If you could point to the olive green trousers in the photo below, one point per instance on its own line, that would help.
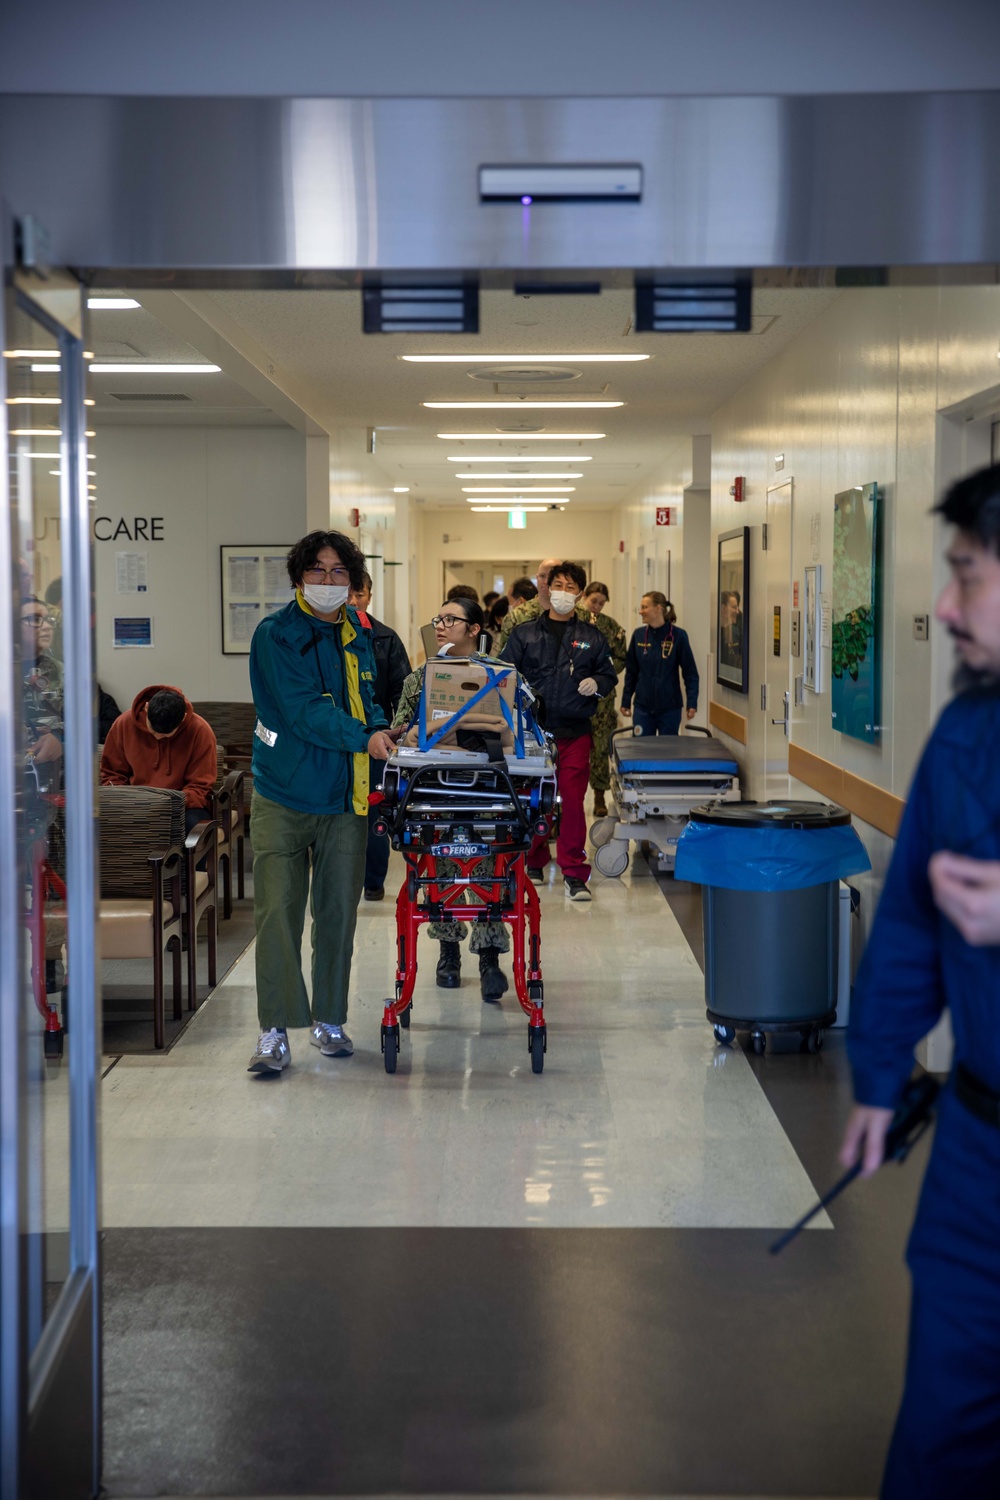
(288, 847)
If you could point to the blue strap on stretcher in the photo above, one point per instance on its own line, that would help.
(494, 676)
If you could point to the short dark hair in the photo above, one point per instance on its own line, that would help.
(462, 591)
(598, 588)
(570, 570)
(498, 611)
(165, 711)
(490, 598)
(304, 554)
(973, 505)
(368, 583)
(523, 588)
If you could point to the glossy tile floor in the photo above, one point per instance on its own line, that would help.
(639, 1119)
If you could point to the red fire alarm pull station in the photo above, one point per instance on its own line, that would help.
(664, 516)
(355, 517)
(736, 488)
(621, 546)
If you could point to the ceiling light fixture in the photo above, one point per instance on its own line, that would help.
(518, 405)
(518, 489)
(518, 359)
(45, 369)
(521, 437)
(401, 489)
(487, 510)
(144, 369)
(34, 401)
(31, 354)
(529, 458)
(516, 500)
(37, 432)
(111, 304)
(506, 474)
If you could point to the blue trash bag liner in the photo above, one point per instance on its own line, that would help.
(768, 859)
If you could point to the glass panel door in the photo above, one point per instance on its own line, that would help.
(49, 1056)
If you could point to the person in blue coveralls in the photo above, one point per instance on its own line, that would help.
(312, 671)
(935, 944)
(659, 654)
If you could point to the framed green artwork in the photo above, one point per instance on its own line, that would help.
(856, 689)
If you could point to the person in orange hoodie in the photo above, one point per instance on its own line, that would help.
(161, 741)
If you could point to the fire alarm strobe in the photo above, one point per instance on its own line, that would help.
(736, 488)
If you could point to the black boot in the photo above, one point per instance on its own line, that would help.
(492, 979)
(449, 969)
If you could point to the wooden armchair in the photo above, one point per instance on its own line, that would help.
(141, 868)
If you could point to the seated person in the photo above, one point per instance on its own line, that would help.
(161, 741)
(457, 630)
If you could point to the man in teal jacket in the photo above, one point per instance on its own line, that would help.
(312, 671)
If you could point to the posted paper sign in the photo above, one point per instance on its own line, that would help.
(130, 573)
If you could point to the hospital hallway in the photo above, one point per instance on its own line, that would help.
(467, 1278)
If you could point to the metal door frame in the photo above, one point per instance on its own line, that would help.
(57, 1385)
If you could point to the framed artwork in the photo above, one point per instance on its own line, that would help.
(812, 633)
(856, 687)
(254, 585)
(732, 651)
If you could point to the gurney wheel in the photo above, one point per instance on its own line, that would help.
(724, 1035)
(612, 859)
(812, 1041)
(390, 1047)
(536, 1046)
(602, 832)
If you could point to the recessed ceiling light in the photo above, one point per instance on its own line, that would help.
(34, 401)
(484, 510)
(31, 354)
(518, 405)
(49, 369)
(144, 369)
(506, 474)
(38, 432)
(111, 304)
(521, 437)
(518, 489)
(517, 359)
(516, 500)
(532, 458)
(401, 489)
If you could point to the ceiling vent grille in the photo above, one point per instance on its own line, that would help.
(146, 396)
(718, 302)
(421, 306)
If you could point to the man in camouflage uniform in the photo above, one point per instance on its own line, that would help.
(605, 721)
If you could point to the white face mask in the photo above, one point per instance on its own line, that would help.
(562, 601)
(325, 598)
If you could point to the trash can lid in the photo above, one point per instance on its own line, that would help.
(789, 814)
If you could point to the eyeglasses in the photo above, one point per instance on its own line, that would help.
(38, 620)
(321, 575)
(447, 621)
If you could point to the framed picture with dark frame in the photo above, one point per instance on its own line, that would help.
(732, 650)
(254, 584)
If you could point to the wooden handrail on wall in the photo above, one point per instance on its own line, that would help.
(863, 798)
(733, 724)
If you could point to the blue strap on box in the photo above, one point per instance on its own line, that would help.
(494, 676)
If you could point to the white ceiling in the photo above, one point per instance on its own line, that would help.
(357, 380)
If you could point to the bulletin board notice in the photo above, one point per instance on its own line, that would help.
(254, 585)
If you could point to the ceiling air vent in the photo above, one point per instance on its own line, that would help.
(146, 396)
(421, 305)
(707, 302)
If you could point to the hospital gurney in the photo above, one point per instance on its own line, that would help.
(450, 801)
(655, 781)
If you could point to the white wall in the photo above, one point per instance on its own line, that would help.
(857, 398)
(213, 486)
(582, 533)
(358, 482)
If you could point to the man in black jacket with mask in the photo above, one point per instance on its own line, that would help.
(392, 667)
(567, 664)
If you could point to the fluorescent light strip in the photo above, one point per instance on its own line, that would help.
(518, 489)
(137, 369)
(513, 405)
(45, 369)
(505, 510)
(518, 501)
(517, 359)
(31, 354)
(521, 437)
(111, 304)
(401, 489)
(505, 474)
(533, 458)
(38, 432)
(34, 401)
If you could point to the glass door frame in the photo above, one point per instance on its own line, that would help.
(55, 1386)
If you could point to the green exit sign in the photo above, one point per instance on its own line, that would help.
(517, 520)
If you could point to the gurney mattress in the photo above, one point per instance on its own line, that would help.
(667, 754)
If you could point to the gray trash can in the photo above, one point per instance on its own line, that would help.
(770, 875)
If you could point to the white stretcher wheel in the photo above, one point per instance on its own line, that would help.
(612, 859)
(602, 831)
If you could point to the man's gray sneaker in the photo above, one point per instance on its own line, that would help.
(332, 1041)
(272, 1053)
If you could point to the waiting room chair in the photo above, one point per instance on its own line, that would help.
(228, 807)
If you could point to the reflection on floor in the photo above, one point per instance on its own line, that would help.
(638, 1120)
